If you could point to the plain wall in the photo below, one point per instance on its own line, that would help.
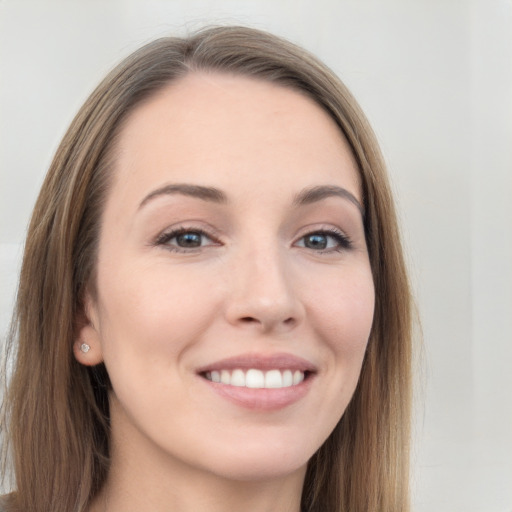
(435, 79)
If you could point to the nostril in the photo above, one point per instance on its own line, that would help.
(248, 319)
(252, 320)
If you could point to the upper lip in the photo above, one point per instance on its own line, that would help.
(280, 361)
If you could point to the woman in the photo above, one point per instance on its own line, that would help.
(213, 311)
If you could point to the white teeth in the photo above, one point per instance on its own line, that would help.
(254, 379)
(273, 379)
(257, 379)
(238, 378)
(298, 377)
(225, 377)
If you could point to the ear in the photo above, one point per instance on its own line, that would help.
(87, 347)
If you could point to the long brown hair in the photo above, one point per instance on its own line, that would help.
(56, 410)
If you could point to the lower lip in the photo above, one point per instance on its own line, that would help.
(263, 399)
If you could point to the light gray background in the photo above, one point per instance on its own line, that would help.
(435, 79)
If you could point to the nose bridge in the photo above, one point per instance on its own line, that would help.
(263, 291)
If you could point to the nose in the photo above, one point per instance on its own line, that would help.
(263, 293)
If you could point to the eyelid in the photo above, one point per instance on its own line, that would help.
(344, 242)
(168, 234)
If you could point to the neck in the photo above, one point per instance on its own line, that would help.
(142, 478)
(194, 496)
(188, 491)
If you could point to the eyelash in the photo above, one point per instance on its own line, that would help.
(166, 237)
(343, 241)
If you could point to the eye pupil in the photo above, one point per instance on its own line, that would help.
(189, 239)
(316, 241)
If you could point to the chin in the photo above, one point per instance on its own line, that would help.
(266, 460)
(262, 469)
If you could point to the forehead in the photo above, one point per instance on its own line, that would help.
(216, 129)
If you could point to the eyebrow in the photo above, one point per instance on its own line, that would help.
(314, 194)
(304, 197)
(198, 191)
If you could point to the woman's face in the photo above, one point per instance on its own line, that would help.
(234, 297)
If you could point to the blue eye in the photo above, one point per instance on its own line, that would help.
(325, 241)
(183, 239)
(316, 241)
(189, 239)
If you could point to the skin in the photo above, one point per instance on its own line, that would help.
(254, 285)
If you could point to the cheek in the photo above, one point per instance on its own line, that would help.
(345, 311)
(152, 313)
(343, 316)
(150, 321)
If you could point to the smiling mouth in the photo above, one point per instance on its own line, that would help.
(260, 382)
(257, 379)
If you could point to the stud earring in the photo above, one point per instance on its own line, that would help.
(85, 348)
